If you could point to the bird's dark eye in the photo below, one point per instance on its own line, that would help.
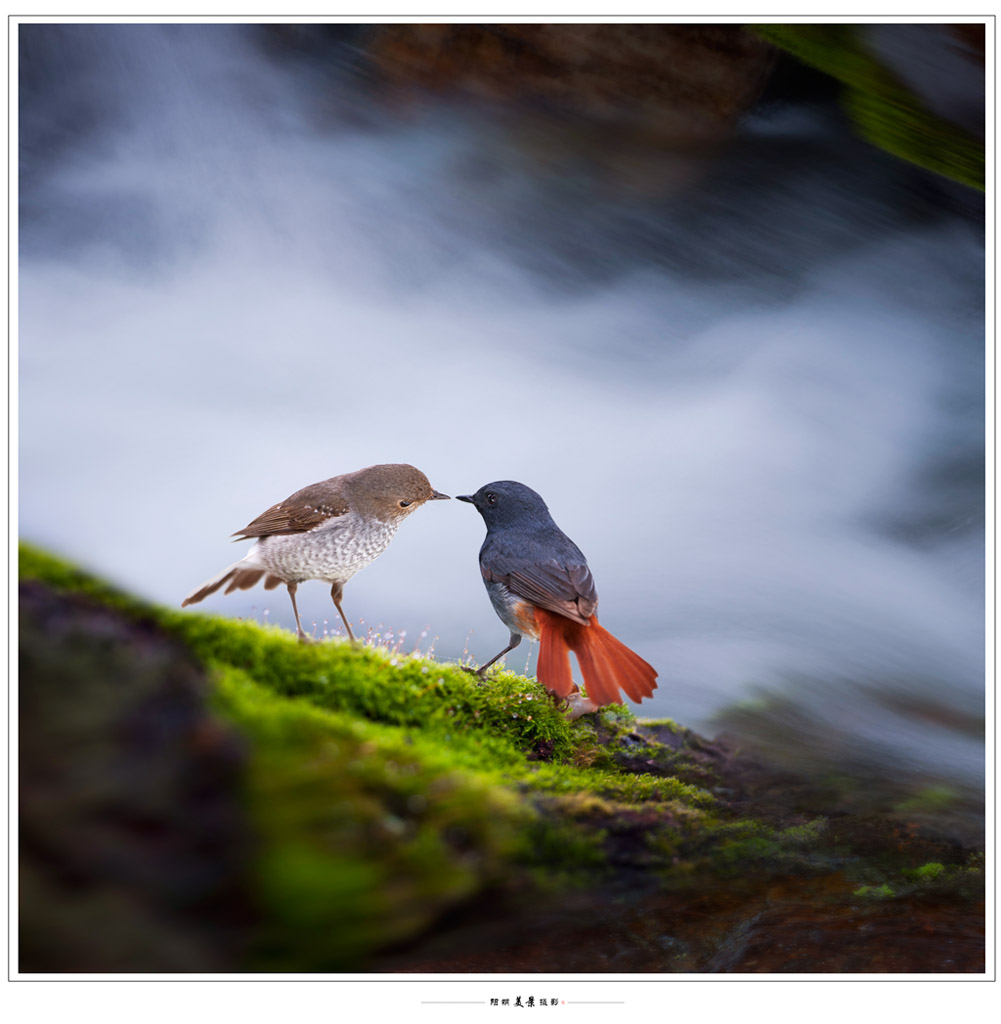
(404, 504)
(491, 499)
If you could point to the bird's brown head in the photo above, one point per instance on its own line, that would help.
(390, 492)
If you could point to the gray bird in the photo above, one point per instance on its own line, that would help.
(541, 587)
(327, 531)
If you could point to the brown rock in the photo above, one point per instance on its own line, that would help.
(675, 75)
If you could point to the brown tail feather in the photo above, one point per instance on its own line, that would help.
(243, 580)
(236, 577)
(207, 588)
(605, 662)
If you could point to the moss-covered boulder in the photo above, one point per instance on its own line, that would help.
(205, 794)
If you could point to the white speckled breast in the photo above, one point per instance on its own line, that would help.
(333, 551)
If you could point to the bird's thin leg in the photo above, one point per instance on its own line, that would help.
(336, 592)
(292, 587)
(515, 640)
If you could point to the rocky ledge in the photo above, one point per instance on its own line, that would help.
(203, 794)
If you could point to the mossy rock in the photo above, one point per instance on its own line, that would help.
(203, 791)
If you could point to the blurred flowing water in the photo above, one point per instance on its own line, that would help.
(754, 398)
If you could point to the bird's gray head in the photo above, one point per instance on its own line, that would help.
(507, 502)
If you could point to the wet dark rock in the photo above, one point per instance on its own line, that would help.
(684, 81)
(133, 842)
(640, 110)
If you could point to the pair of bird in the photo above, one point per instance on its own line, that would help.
(536, 577)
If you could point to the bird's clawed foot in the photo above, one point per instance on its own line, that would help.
(578, 704)
(574, 705)
(478, 672)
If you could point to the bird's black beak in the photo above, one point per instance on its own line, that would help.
(437, 496)
(464, 497)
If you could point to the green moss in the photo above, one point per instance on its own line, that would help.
(885, 111)
(661, 723)
(378, 831)
(407, 692)
(745, 843)
(929, 871)
(806, 833)
(931, 882)
(874, 892)
(618, 713)
(563, 854)
(749, 848)
(963, 880)
(365, 836)
(930, 800)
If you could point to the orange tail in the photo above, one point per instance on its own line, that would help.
(605, 662)
(554, 670)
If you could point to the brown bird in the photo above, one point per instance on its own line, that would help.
(327, 531)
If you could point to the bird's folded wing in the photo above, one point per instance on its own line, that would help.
(296, 514)
(565, 589)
